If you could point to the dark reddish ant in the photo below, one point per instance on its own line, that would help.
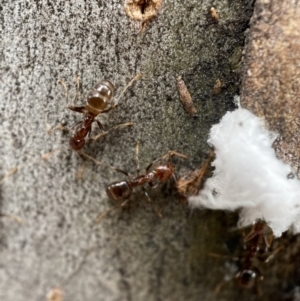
(257, 245)
(122, 190)
(98, 101)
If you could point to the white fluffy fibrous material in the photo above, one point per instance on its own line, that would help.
(249, 176)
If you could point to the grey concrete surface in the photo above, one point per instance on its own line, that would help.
(132, 254)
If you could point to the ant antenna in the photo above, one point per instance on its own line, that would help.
(137, 77)
(175, 153)
(77, 85)
(63, 84)
(81, 152)
(137, 158)
(48, 155)
(167, 156)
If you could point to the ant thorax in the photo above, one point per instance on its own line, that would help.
(99, 97)
(164, 172)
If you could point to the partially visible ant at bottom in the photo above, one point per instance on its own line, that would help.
(120, 191)
(257, 245)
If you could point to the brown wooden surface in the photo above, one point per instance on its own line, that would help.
(271, 77)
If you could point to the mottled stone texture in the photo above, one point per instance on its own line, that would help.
(271, 81)
(132, 254)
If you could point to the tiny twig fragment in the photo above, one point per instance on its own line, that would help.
(15, 218)
(217, 87)
(185, 97)
(214, 14)
(191, 184)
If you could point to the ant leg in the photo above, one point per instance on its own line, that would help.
(149, 166)
(167, 156)
(51, 153)
(159, 214)
(252, 233)
(81, 152)
(124, 203)
(105, 213)
(89, 134)
(147, 195)
(137, 148)
(259, 290)
(219, 287)
(259, 231)
(77, 81)
(77, 109)
(273, 254)
(10, 173)
(216, 255)
(109, 109)
(12, 217)
(175, 153)
(113, 128)
(100, 125)
(79, 174)
(115, 103)
(269, 242)
(137, 77)
(76, 124)
(122, 171)
(64, 128)
(175, 179)
(61, 82)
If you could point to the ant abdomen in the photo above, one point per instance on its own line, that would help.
(99, 97)
(247, 278)
(119, 191)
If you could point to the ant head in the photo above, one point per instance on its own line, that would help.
(246, 278)
(119, 191)
(164, 171)
(99, 97)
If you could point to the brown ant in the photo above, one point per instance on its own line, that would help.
(98, 101)
(122, 190)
